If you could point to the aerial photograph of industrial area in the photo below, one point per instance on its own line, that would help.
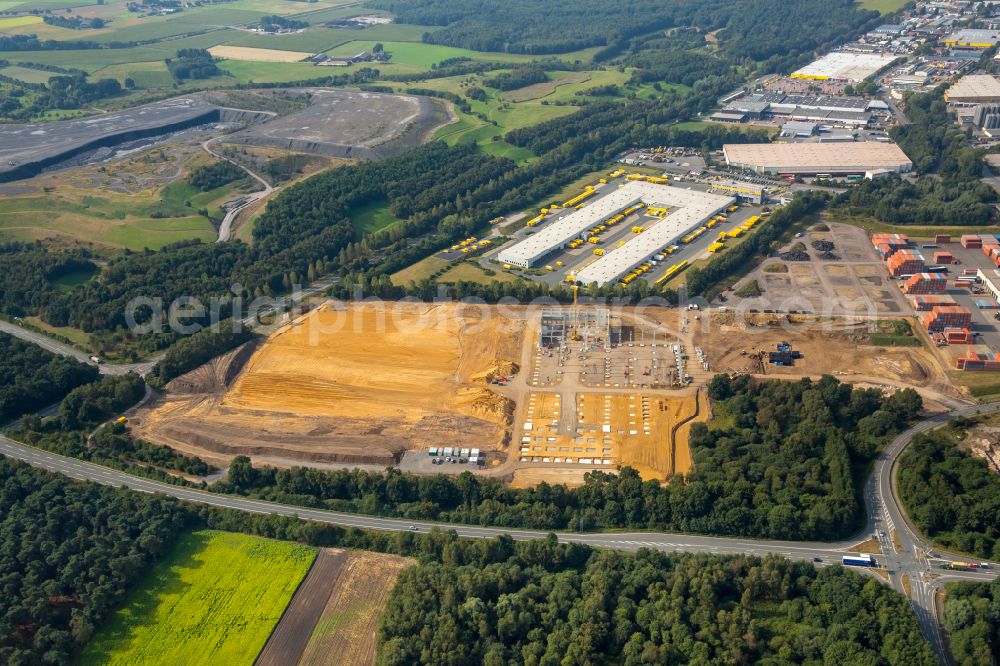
(390, 332)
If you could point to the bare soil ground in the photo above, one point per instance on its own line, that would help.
(347, 629)
(836, 347)
(333, 617)
(346, 386)
(984, 442)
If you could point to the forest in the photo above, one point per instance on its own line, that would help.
(32, 378)
(778, 461)
(70, 553)
(217, 174)
(761, 30)
(936, 145)
(77, 431)
(952, 496)
(972, 618)
(646, 608)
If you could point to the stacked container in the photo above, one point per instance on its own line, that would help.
(926, 283)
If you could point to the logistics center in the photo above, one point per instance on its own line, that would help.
(815, 158)
(687, 210)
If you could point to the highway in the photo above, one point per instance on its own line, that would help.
(911, 571)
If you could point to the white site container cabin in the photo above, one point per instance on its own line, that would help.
(433, 451)
(464, 453)
(475, 453)
(447, 452)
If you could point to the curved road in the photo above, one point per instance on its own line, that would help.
(226, 228)
(886, 517)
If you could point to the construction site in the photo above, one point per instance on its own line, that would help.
(523, 394)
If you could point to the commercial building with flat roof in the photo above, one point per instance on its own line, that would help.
(839, 66)
(974, 89)
(745, 191)
(814, 158)
(689, 209)
(973, 39)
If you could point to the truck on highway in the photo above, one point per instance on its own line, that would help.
(859, 560)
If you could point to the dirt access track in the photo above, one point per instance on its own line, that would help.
(357, 385)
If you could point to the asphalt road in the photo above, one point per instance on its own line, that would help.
(915, 560)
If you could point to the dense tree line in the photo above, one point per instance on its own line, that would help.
(74, 431)
(216, 174)
(192, 64)
(972, 618)
(761, 30)
(779, 462)
(518, 77)
(707, 280)
(275, 23)
(27, 272)
(936, 146)
(70, 553)
(190, 352)
(550, 605)
(32, 378)
(952, 497)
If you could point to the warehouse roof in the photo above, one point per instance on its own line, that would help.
(560, 232)
(972, 36)
(692, 208)
(858, 155)
(976, 86)
(845, 66)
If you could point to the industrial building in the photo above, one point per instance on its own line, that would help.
(972, 39)
(818, 158)
(756, 194)
(827, 109)
(850, 67)
(688, 209)
(975, 89)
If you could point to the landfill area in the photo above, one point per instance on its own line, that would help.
(590, 254)
(349, 124)
(340, 123)
(26, 149)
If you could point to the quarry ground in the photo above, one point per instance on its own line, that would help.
(374, 385)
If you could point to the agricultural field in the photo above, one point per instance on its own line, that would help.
(883, 6)
(352, 385)
(215, 599)
(257, 55)
(335, 611)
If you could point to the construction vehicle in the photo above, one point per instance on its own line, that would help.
(638, 230)
(594, 239)
(535, 220)
(121, 419)
(657, 180)
(549, 268)
(635, 176)
(715, 247)
(506, 266)
(599, 252)
(602, 181)
(559, 264)
(484, 243)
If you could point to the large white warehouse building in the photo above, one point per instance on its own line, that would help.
(689, 208)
